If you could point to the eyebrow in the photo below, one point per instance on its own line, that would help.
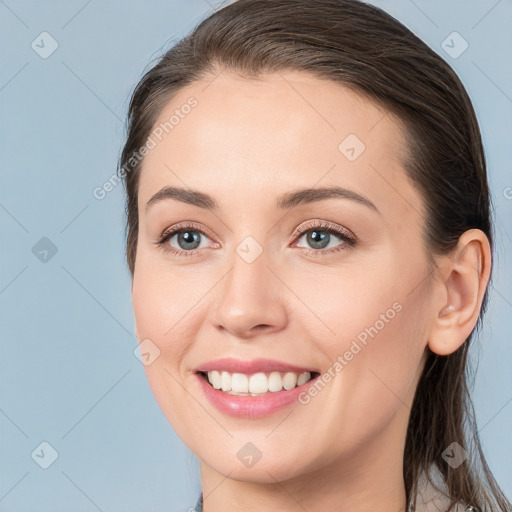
(285, 201)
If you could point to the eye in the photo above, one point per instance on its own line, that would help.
(187, 236)
(319, 234)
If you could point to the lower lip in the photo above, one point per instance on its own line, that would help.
(251, 406)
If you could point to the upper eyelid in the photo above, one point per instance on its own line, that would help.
(323, 224)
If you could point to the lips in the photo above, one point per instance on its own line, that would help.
(253, 406)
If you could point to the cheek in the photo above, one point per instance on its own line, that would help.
(374, 383)
(377, 335)
(375, 310)
(163, 303)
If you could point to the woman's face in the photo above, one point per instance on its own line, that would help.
(333, 284)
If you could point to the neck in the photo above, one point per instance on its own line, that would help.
(369, 479)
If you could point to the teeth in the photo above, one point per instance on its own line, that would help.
(303, 378)
(275, 383)
(225, 380)
(257, 383)
(215, 379)
(239, 383)
(289, 381)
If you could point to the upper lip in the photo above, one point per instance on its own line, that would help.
(249, 367)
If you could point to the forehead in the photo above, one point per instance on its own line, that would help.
(280, 131)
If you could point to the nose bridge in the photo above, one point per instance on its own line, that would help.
(248, 296)
(249, 267)
(247, 283)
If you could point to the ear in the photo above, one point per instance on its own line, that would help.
(465, 276)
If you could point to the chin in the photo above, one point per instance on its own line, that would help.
(269, 468)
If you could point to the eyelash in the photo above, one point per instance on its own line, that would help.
(323, 226)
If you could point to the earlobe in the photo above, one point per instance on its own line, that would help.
(466, 275)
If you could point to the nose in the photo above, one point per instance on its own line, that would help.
(249, 300)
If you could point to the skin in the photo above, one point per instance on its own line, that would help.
(246, 143)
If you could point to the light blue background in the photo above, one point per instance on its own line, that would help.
(68, 373)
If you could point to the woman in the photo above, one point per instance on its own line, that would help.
(309, 236)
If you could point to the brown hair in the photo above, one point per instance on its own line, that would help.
(361, 47)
